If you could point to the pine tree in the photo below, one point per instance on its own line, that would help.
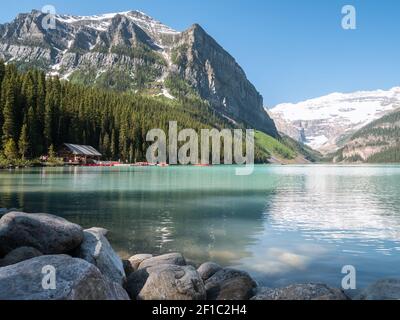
(106, 146)
(123, 143)
(23, 143)
(35, 147)
(2, 70)
(9, 121)
(131, 153)
(51, 153)
(113, 148)
(48, 117)
(10, 150)
(28, 91)
(2, 73)
(40, 80)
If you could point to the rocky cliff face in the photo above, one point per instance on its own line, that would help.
(219, 79)
(132, 51)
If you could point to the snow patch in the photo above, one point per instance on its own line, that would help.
(166, 94)
(317, 141)
(103, 21)
(356, 108)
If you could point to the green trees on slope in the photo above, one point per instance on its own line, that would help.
(38, 112)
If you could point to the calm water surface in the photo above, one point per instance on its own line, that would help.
(283, 224)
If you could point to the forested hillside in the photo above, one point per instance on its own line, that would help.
(378, 142)
(39, 112)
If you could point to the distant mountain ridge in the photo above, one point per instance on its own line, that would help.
(132, 51)
(326, 123)
(377, 142)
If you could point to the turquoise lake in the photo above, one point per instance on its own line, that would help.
(282, 224)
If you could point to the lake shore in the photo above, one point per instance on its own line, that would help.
(82, 258)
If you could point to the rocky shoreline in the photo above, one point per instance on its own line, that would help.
(85, 267)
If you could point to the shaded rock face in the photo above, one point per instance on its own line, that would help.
(208, 269)
(96, 249)
(136, 282)
(170, 258)
(19, 255)
(230, 284)
(219, 79)
(127, 267)
(75, 279)
(132, 43)
(47, 233)
(172, 282)
(301, 292)
(387, 289)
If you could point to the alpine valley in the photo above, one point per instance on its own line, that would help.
(354, 127)
(134, 73)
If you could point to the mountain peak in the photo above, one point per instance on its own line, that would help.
(138, 17)
(132, 51)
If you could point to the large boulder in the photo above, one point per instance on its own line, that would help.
(75, 279)
(301, 292)
(96, 249)
(386, 289)
(170, 258)
(19, 255)
(47, 233)
(137, 259)
(172, 282)
(4, 211)
(230, 284)
(208, 269)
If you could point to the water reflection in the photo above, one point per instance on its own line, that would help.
(282, 224)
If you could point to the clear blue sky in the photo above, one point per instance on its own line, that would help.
(290, 49)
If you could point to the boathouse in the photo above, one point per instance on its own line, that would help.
(78, 154)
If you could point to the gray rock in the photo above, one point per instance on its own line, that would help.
(19, 255)
(136, 282)
(75, 279)
(230, 284)
(208, 269)
(4, 211)
(96, 249)
(170, 258)
(137, 259)
(116, 291)
(301, 292)
(172, 282)
(101, 231)
(386, 289)
(47, 233)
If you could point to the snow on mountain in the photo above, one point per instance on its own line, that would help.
(103, 21)
(322, 123)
